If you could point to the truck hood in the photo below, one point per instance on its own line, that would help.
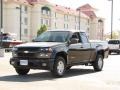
(39, 44)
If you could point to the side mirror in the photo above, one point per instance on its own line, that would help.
(74, 40)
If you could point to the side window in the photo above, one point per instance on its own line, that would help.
(83, 37)
(77, 36)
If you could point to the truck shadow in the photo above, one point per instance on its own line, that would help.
(42, 76)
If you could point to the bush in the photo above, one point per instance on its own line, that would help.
(42, 29)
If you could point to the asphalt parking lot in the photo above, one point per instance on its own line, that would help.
(78, 78)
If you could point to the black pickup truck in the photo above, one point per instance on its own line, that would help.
(57, 51)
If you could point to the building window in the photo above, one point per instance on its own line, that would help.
(25, 9)
(66, 26)
(45, 21)
(48, 12)
(66, 17)
(26, 20)
(45, 11)
(88, 21)
(42, 21)
(55, 14)
(55, 25)
(25, 31)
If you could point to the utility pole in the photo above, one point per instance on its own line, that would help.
(1, 21)
(20, 21)
(79, 18)
(111, 17)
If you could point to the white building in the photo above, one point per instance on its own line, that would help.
(25, 17)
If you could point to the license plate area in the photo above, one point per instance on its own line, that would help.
(24, 62)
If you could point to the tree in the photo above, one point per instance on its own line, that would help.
(42, 29)
(115, 35)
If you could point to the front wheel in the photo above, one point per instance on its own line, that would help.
(98, 63)
(59, 67)
(22, 71)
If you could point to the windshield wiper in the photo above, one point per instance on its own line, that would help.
(50, 41)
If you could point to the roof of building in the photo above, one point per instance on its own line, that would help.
(16, 1)
(36, 1)
(88, 10)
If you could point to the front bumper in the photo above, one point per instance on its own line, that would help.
(46, 64)
(114, 50)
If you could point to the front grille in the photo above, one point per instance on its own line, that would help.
(30, 49)
(29, 55)
(27, 52)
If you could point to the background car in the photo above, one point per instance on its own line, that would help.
(114, 46)
(7, 41)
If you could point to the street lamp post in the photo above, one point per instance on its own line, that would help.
(79, 18)
(20, 21)
(111, 17)
(1, 21)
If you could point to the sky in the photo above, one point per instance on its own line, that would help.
(103, 10)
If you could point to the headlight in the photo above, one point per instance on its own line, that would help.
(46, 49)
(14, 49)
(45, 53)
(14, 54)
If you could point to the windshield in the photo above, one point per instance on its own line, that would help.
(5, 38)
(53, 36)
(114, 42)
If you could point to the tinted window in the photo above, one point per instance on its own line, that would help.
(77, 36)
(6, 38)
(84, 38)
(114, 42)
(53, 36)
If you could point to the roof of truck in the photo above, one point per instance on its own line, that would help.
(71, 30)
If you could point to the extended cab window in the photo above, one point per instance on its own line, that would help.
(83, 37)
(77, 36)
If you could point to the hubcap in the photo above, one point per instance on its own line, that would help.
(100, 62)
(60, 67)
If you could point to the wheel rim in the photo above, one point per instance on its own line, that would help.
(60, 67)
(100, 63)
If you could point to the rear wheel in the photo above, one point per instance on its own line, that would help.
(59, 67)
(22, 71)
(98, 63)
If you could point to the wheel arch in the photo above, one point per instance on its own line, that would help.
(63, 54)
(100, 52)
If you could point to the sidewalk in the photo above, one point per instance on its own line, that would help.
(7, 56)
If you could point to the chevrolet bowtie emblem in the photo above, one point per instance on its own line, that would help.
(26, 51)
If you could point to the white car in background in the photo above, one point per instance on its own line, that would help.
(114, 46)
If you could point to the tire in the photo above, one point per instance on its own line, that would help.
(22, 71)
(98, 63)
(59, 67)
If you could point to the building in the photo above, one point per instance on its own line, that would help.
(25, 17)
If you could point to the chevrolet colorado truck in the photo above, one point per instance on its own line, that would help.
(57, 51)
